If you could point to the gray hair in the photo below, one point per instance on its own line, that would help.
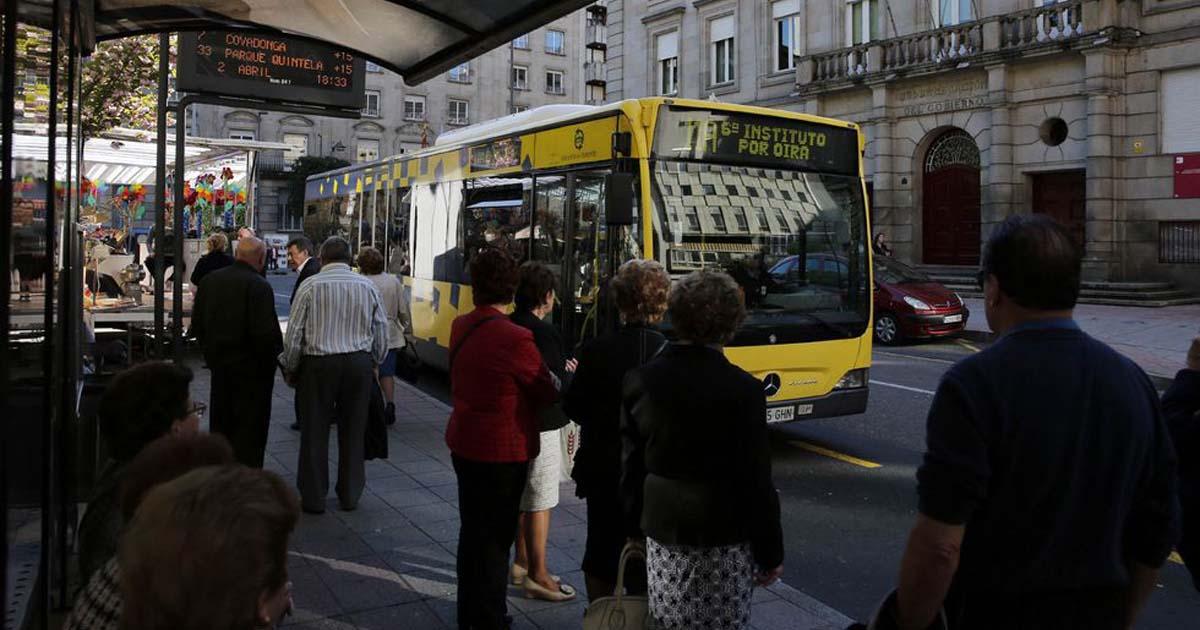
(706, 307)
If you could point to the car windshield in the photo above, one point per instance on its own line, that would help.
(892, 271)
(793, 240)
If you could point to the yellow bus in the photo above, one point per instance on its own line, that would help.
(774, 198)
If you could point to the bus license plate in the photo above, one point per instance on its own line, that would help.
(953, 319)
(781, 414)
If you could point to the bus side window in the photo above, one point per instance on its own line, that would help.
(399, 239)
(496, 213)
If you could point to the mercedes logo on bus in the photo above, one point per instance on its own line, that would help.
(771, 385)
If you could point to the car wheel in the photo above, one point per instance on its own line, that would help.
(887, 329)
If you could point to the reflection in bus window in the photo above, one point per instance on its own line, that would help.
(398, 235)
(439, 255)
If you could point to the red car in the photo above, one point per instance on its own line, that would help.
(911, 305)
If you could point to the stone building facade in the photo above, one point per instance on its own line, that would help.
(546, 66)
(974, 110)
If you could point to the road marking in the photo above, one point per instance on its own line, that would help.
(282, 296)
(821, 450)
(1175, 557)
(915, 356)
(964, 343)
(904, 387)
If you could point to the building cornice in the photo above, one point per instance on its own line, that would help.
(672, 11)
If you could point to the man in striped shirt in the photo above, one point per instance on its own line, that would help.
(336, 336)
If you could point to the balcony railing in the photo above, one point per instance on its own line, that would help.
(595, 72)
(930, 51)
(596, 35)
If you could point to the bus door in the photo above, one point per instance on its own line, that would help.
(570, 237)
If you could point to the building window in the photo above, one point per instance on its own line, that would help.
(521, 42)
(667, 48)
(520, 77)
(299, 144)
(414, 108)
(554, 82)
(556, 42)
(371, 100)
(862, 21)
(720, 32)
(367, 150)
(950, 12)
(373, 67)
(461, 73)
(1179, 101)
(786, 15)
(241, 134)
(459, 112)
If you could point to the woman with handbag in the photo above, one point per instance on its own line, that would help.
(697, 478)
(391, 293)
(534, 301)
(639, 292)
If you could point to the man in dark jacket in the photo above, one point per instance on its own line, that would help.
(1047, 492)
(300, 259)
(1181, 405)
(234, 319)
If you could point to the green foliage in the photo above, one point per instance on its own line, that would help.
(120, 85)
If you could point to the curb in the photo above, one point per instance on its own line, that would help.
(1160, 381)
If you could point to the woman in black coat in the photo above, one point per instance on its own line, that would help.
(215, 259)
(594, 402)
(697, 477)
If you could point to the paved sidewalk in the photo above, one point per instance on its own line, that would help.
(390, 563)
(1156, 338)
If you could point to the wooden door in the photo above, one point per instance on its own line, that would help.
(951, 201)
(1063, 196)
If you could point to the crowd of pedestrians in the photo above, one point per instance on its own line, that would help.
(1054, 485)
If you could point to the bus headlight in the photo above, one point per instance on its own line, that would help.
(853, 379)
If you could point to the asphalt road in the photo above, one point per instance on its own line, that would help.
(848, 486)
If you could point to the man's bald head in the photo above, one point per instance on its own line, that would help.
(252, 251)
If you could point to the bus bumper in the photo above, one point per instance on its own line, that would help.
(843, 402)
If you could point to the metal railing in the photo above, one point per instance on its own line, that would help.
(596, 34)
(595, 72)
(1179, 242)
(1051, 23)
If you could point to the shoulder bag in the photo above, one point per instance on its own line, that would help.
(619, 611)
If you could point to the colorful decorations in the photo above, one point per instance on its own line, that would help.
(214, 201)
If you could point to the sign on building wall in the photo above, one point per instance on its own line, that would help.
(1187, 176)
(270, 67)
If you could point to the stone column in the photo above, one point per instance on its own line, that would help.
(885, 216)
(1000, 185)
(1102, 253)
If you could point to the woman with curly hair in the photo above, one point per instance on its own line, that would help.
(697, 478)
(498, 384)
(639, 291)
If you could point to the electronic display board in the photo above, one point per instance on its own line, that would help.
(736, 138)
(270, 67)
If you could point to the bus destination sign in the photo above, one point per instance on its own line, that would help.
(718, 136)
(270, 67)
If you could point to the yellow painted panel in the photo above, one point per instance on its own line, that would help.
(573, 144)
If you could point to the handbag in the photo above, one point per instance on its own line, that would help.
(408, 363)
(375, 438)
(619, 611)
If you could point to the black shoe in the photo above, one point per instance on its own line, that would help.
(295, 426)
(312, 511)
(391, 413)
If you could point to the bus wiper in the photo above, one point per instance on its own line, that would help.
(827, 324)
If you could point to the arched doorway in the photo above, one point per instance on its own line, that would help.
(950, 200)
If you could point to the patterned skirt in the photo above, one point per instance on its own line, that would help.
(699, 588)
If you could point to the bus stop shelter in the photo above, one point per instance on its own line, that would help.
(45, 391)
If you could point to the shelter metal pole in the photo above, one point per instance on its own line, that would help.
(177, 273)
(9, 72)
(160, 196)
(49, 455)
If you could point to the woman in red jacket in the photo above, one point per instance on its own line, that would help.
(498, 383)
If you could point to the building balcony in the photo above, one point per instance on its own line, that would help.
(1041, 30)
(596, 35)
(595, 73)
(272, 163)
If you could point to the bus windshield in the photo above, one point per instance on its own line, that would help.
(794, 240)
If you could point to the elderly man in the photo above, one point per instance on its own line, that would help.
(300, 259)
(1047, 494)
(234, 319)
(337, 334)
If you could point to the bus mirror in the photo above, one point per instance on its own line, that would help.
(618, 199)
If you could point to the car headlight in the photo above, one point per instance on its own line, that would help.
(915, 303)
(853, 379)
